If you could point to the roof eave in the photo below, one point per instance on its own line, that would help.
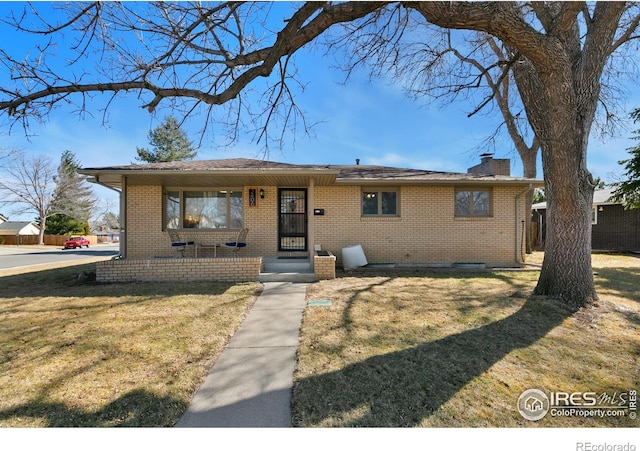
(211, 172)
(461, 181)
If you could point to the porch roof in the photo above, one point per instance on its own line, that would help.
(243, 172)
(226, 172)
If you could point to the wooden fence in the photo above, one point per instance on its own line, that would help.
(49, 240)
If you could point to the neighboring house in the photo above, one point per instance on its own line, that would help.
(16, 232)
(107, 235)
(398, 216)
(613, 227)
(3, 219)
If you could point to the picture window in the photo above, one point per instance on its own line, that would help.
(214, 209)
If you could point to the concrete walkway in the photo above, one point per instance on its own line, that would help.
(250, 384)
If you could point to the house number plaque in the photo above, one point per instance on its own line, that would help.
(253, 197)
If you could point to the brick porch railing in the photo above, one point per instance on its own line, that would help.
(241, 269)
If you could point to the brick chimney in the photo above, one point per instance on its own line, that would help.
(491, 166)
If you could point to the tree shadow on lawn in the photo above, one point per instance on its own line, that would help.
(402, 388)
(380, 278)
(621, 281)
(137, 408)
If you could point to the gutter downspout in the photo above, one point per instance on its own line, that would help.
(519, 256)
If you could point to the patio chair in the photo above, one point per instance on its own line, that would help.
(239, 242)
(179, 244)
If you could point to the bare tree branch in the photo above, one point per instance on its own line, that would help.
(187, 67)
(27, 183)
(543, 14)
(629, 32)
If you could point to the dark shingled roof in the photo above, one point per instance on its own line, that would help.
(209, 165)
(345, 173)
(13, 226)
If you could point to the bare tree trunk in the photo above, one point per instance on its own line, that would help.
(566, 270)
(561, 115)
(41, 229)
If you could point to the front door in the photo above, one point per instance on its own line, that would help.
(292, 227)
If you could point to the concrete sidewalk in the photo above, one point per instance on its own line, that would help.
(250, 384)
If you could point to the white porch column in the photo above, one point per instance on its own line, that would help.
(123, 218)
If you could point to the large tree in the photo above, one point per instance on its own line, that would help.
(73, 196)
(31, 184)
(61, 224)
(169, 142)
(200, 55)
(27, 184)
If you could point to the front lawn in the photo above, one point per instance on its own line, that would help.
(108, 355)
(456, 349)
(394, 349)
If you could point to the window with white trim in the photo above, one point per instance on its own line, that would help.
(203, 209)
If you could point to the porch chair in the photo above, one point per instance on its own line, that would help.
(239, 242)
(178, 244)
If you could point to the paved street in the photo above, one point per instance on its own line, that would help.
(19, 256)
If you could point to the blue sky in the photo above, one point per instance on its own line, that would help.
(370, 120)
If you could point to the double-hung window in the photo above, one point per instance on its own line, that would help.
(203, 209)
(380, 202)
(473, 203)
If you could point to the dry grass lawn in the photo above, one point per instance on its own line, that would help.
(456, 349)
(395, 349)
(108, 355)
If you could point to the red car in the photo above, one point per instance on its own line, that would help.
(76, 241)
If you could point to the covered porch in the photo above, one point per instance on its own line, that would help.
(206, 204)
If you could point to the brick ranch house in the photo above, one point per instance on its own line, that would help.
(397, 216)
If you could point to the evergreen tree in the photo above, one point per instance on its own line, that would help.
(628, 191)
(73, 196)
(61, 224)
(170, 143)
